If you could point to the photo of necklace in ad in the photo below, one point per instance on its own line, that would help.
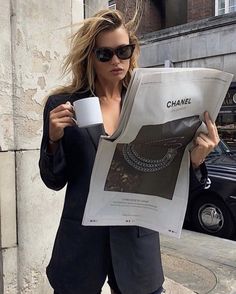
(150, 163)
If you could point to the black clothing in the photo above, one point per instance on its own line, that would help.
(80, 258)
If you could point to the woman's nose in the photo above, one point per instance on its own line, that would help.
(115, 59)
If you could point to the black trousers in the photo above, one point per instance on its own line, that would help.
(159, 291)
(59, 293)
(112, 280)
(113, 284)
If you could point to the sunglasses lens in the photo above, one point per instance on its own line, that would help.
(104, 54)
(125, 52)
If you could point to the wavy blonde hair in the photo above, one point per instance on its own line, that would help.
(79, 60)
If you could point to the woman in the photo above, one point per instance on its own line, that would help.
(103, 55)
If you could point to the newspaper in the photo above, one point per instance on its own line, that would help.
(141, 173)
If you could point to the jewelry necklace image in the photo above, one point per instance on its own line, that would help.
(140, 163)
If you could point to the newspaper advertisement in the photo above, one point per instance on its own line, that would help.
(141, 173)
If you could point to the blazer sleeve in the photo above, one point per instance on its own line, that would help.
(53, 169)
(198, 177)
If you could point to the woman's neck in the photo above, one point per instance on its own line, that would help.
(107, 91)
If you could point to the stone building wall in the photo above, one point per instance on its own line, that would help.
(204, 43)
(34, 41)
(91, 6)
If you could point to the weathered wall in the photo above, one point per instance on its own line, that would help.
(8, 223)
(6, 108)
(40, 34)
(39, 210)
(34, 41)
(33, 44)
(8, 258)
(92, 6)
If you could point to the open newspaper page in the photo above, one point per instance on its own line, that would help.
(141, 173)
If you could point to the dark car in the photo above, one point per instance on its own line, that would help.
(213, 209)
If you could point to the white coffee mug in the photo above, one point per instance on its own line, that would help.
(88, 112)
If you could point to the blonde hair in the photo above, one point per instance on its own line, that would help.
(79, 60)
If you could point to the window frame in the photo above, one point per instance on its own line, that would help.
(112, 4)
(226, 7)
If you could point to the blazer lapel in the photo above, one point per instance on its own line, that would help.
(96, 131)
(95, 134)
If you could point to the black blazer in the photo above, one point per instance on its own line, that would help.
(80, 256)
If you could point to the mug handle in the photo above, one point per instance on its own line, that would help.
(74, 120)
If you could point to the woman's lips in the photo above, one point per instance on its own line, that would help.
(117, 71)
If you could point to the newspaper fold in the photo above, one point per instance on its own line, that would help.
(141, 172)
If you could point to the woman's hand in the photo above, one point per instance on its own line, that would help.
(204, 143)
(60, 117)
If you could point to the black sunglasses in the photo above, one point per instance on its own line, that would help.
(105, 54)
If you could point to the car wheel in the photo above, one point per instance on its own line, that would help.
(210, 215)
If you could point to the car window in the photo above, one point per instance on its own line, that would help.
(223, 147)
(216, 152)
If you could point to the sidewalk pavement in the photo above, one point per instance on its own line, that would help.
(200, 262)
(197, 263)
(170, 286)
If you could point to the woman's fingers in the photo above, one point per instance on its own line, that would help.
(199, 152)
(205, 143)
(209, 124)
(61, 114)
(60, 117)
(62, 107)
(56, 130)
(212, 129)
(66, 124)
(62, 110)
(57, 122)
(55, 118)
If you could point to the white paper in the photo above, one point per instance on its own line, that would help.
(141, 172)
